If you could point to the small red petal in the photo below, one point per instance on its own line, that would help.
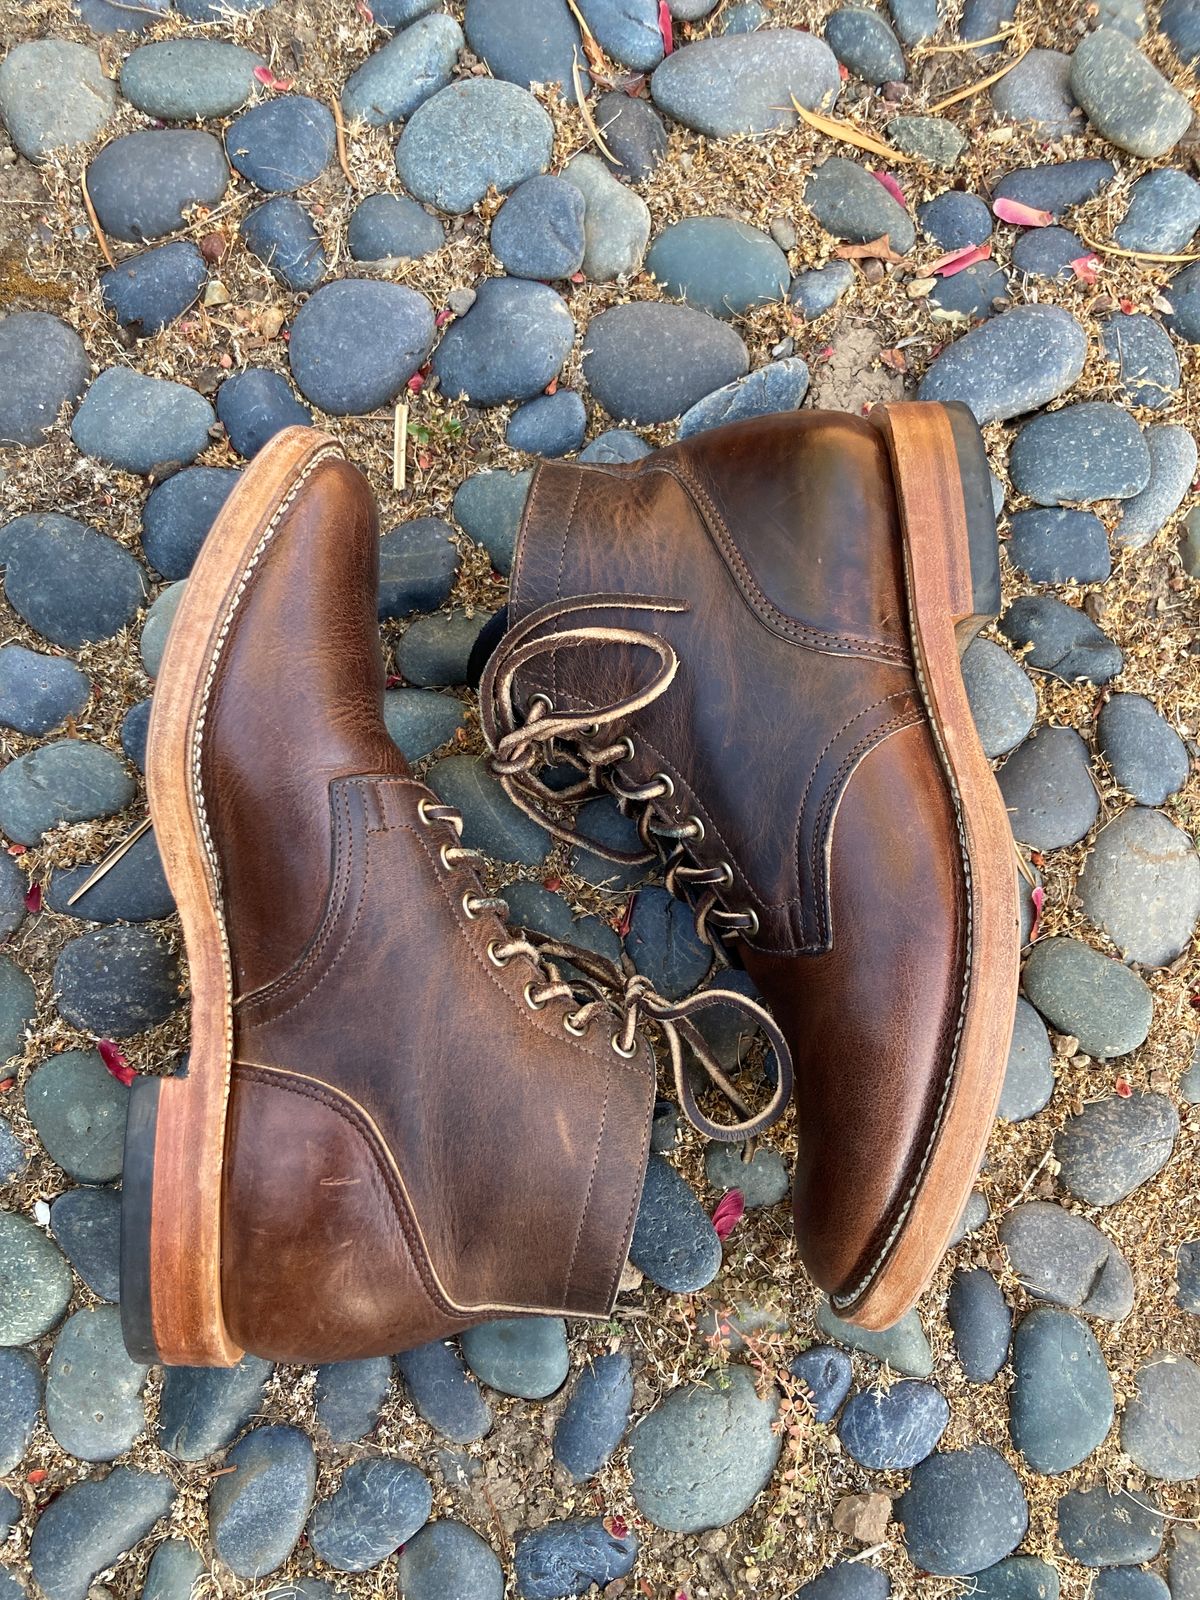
(443, 317)
(1086, 268)
(392, 681)
(616, 1525)
(730, 1211)
(1123, 1088)
(578, 277)
(365, 12)
(115, 1061)
(891, 185)
(1038, 897)
(1126, 304)
(666, 27)
(958, 260)
(7, 1083)
(553, 883)
(37, 1475)
(416, 383)
(16, 849)
(267, 78)
(33, 897)
(1020, 215)
(626, 921)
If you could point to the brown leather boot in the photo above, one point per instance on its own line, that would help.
(766, 671)
(397, 1119)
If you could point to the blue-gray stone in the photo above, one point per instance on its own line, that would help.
(1062, 1257)
(203, 1408)
(1126, 98)
(1061, 1402)
(93, 1389)
(1126, 16)
(742, 83)
(1014, 363)
(700, 1457)
(174, 1571)
(721, 266)
(86, 1527)
(594, 1420)
(1141, 884)
(649, 362)
(976, 293)
(935, 139)
(218, 10)
(532, 906)
(1129, 1583)
(17, 1006)
(973, 1216)
(1114, 1145)
(527, 41)
(70, 583)
(189, 80)
(1090, 996)
(1048, 252)
(147, 292)
(444, 1393)
(616, 220)
(895, 1427)
(1180, 21)
(1017, 1578)
(850, 203)
(1028, 1075)
(14, 886)
(20, 1402)
(1038, 91)
(983, 19)
(539, 230)
(394, 80)
(1145, 357)
(955, 220)
(825, 1375)
(117, 981)
(178, 514)
(1065, 641)
(915, 20)
(1057, 185)
(392, 14)
(142, 183)
(1144, 753)
(509, 346)
(355, 344)
(378, 1506)
(674, 1243)
(282, 144)
(1048, 789)
(903, 1346)
(35, 1280)
(522, 1356)
(281, 233)
(86, 1222)
(392, 227)
(38, 692)
(476, 134)
(417, 564)
(257, 404)
(53, 95)
(981, 1323)
(449, 1561)
(78, 1109)
(1003, 701)
(628, 31)
(820, 288)
(140, 424)
(663, 944)
(632, 129)
(491, 822)
(1163, 214)
(1182, 294)
(255, 1514)
(1173, 459)
(761, 1181)
(420, 721)
(552, 425)
(664, 1128)
(615, 445)
(963, 1510)
(601, 819)
(43, 367)
(488, 506)
(865, 44)
(14, 1162)
(779, 386)
(350, 1396)
(572, 1557)
(1057, 545)
(67, 781)
(157, 627)
(1092, 450)
(114, 16)
(846, 1580)
(1187, 1272)
(437, 650)
(1102, 1527)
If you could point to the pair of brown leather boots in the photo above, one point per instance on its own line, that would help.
(401, 1116)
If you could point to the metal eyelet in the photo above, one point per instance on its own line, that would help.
(668, 784)
(572, 1028)
(472, 916)
(748, 933)
(496, 960)
(534, 1005)
(534, 700)
(726, 881)
(619, 1048)
(696, 829)
(422, 812)
(628, 743)
(447, 866)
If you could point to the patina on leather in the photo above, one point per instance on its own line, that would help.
(801, 767)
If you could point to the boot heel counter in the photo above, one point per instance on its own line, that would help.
(316, 1265)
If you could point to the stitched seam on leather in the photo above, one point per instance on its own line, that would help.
(349, 1112)
(587, 1198)
(817, 638)
(568, 524)
(516, 577)
(952, 1064)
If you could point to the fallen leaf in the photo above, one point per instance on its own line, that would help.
(891, 185)
(33, 898)
(115, 1061)
(267, 78)
(894, 359)
(666, 27)
(1086, 268)
(1123, 1087)
(863, 1517)
(616, 1525)
(1021, 216)
(1038, 897)
(958, 260)
(731, 1208)
(874, 249)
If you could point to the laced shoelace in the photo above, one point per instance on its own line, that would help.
(597, 990)
(546, 736)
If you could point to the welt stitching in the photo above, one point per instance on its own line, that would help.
(568, 523)
(587, 1199)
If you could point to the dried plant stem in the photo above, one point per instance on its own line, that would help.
(1136, 255)
(339, 129)
(963, 44)
(95, 221)
(848, 133)
(585, 110)
(974, 88)
(400, 446)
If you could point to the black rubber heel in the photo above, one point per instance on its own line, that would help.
(981, 519)
(137, 1189)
